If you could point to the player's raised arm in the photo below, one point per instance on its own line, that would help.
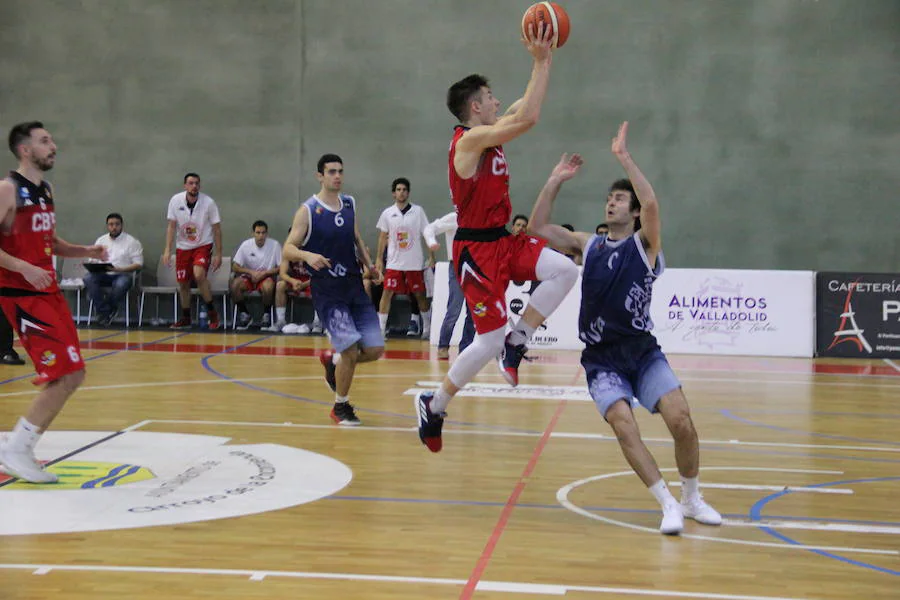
(539, 224)
(651, 229)
(516, 122)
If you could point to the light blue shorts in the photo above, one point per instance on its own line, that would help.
(628, 368)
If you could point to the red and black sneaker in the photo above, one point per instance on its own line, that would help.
(430, 424)
(182, 323)
(213, 319)
(327, 360)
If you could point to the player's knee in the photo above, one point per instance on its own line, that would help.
(621, 419)
(72, 381)
(374, 353)
(568, 274)
(199, 275)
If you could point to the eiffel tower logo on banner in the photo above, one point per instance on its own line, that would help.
(852, 333)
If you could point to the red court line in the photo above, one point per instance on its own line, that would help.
(488, 551)
(736, 363)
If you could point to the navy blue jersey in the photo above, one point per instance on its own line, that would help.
(333, 235)
(616, 286)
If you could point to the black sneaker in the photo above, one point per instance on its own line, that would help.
(11, 358)
(327, 360)
(509, 360)
(430, 424)
(343, 414)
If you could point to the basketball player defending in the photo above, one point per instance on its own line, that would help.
(622, 358)
(325, 236)
(485, 255)
(30, 297)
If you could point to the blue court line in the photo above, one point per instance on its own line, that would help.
(32, 374)
(595, 509)
(205, 362)
(755, 514)
(727, 413)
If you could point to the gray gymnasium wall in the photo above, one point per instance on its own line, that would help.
(766, 126)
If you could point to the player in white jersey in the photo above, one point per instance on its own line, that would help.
(255, 264)
(400, 228)
(195, 229)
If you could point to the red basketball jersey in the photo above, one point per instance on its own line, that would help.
(32, 233)
(482, 201)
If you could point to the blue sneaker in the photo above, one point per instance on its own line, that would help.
(430, 424)
(509, 360)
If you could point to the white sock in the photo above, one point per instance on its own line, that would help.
(24, 436)
(382, 321)
(335, 358)
(521, 333)
(341, 399)
(426, 319)
(661, 492)
(279, 313)
(440, 401)
(690, 487)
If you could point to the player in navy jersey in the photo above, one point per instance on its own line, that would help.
(325, 236)
(622, 358)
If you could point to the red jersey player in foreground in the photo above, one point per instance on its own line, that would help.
(485, 255)
(30, 297)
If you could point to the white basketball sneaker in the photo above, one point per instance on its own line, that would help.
(23, 465)
(673, 519)
(697, 509)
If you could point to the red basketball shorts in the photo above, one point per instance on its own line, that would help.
(484, 270)
(47, 333)
(186, 260)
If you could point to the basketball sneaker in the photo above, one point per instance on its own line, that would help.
(697, 509)
(343, 414)
(182, 323)
(23, 465)
(213, 319)
(673, 519)
(509, 360)
(430, 424)
(327, 360)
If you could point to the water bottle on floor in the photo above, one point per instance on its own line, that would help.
(204, 318)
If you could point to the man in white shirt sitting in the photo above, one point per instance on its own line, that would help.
(107, 289)
(255, 264)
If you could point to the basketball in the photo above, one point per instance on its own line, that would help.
(549, 13)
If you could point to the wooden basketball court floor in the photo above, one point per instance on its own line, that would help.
(530, 498)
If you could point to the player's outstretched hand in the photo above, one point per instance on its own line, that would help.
(567, 167)
(538, 42)
(619, 143)
(98, 252)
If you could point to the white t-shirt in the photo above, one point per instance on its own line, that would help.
(124, 251)
(250, 256)
(193, 228)
(446, 225)
(404, 231)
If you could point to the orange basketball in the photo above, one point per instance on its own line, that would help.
(549, 13)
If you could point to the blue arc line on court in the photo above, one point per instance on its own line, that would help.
(32, 374)
(730, 415)
(755, 514)
(205, 362)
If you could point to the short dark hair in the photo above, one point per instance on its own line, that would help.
(603, 225)
(624, 185)
(21, 132)
(114, 216)
(398, 181)
(325, 159)
(517, 217)
(568, 226)
(462, 93)
(188, 175)
(260, 223)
